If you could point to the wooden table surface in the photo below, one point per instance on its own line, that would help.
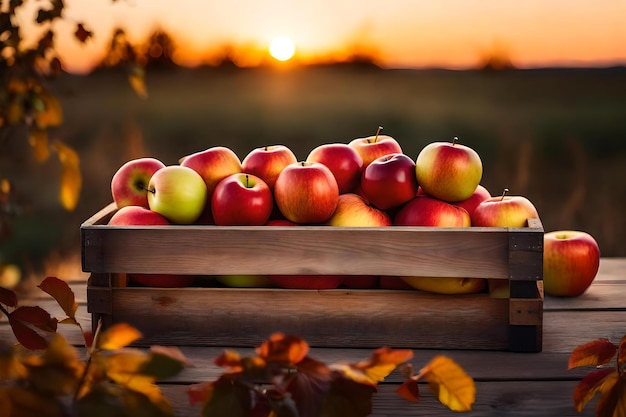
(508, 384)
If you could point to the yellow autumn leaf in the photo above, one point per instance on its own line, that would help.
(71, 179)
(449, 383)
(51, 113)
(137, 81)
(117, 336)
(38, 140)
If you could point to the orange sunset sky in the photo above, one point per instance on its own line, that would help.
(403, 33)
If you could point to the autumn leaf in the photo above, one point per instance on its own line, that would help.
(164, 362)
(107, 399)
(595, 353)
(117, 336)
(229, 359)
(71, 180)
(18, 401)
(591, 384)
(199, 393)
(36, 316)
(374, 370)
(409, 390)
(81, 33)
(51, 112)
(26, 336)
(62, 293)
(348, 398)
(449, 383)
(621, 355)
(8, 297)
(225, 397)
(612, 402)
(38, 140)
(285, 349)
(10, 365)
(137, 80)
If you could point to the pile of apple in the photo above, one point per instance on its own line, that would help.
(366, 182)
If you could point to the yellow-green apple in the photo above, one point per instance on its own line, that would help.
(481, 194)
(447, 285)
(245, 281)
(448, 171)
(241, 200)
(130, 182)
(360, 281)
(389, 181)
(372, 147)
(267, 162)
(343, 161)
(306, 192)
(213, 164)
(504, 211)
(393, 283)
(308, 282)
(570, 262)
(354, 211)
(137, 216)
(424, 210)
(178, 193)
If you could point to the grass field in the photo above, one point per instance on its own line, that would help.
(556, 136)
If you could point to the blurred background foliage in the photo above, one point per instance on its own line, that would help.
(554, 135)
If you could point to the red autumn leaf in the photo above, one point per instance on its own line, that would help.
(88, 338)
(199, 393)
(590, 385)
(374, 370)
(284, 349)
(228, 398)
(8, 297)
(29, 338)
(409, 390)
(81, 33)
(36, 316)
(309, 386)
(612, 402)
(229, 359)
(62, 293)
(348, 398)
(595, 353)
(621, 354)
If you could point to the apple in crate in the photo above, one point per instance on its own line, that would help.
(388, 282)
(245, 281)
(504, 211)
(178, 193)
(571, 260)
(267, 162)
(354, 211)
(129, 184)
(241, 200)
(389, 181)
(306, 192)
(372, 147)
(448, 171)
(360, 281)
(213, 165)
(343, 161)
(481, 194)
(424, 210)
(447, 285)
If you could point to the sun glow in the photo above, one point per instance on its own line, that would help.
(282, 48)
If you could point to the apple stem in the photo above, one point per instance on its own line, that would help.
(247, 185)
(377, 132)
(153, 191)
(506, 190)
(455, 140)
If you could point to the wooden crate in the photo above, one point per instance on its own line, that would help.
(325, 318)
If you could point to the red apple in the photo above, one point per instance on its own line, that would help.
(389, 181)
(245, 281)
(424, 210)
(372, 147)
(504, 211)
(241, 200)
(481, 194)
(280, 222)
(130, 182)
(306, 192)
(213, 165)
(360, 281)
(307, 282)
(448, 171)
(267, 162)
(354, 211)
(393, 283)
(570, 262)
(178, 193)
(343, 161)
(137, 216)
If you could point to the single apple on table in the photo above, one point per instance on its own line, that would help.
(267, 162)
(241, 200)
(481, 194)
(354, 211)
(343, 161)
(130, 182)
(389, 181)
(571, 260)
(424, 210)
(306, 192)
(372, 147)
(448, 171)
(504, 211)
(178, 193)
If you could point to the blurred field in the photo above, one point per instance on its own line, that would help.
(556, 136)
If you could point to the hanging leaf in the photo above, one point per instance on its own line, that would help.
(38, 140)
(35, 316)
(81, 33)
(281, 348)
(590, 385)
(71, 180)
(595, 353)
(8, 297)
(26, 336)
(62, 293)
(117, 336)
(449, 383)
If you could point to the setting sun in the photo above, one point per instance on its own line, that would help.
(282, 48)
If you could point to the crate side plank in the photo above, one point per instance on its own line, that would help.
(364, 318)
